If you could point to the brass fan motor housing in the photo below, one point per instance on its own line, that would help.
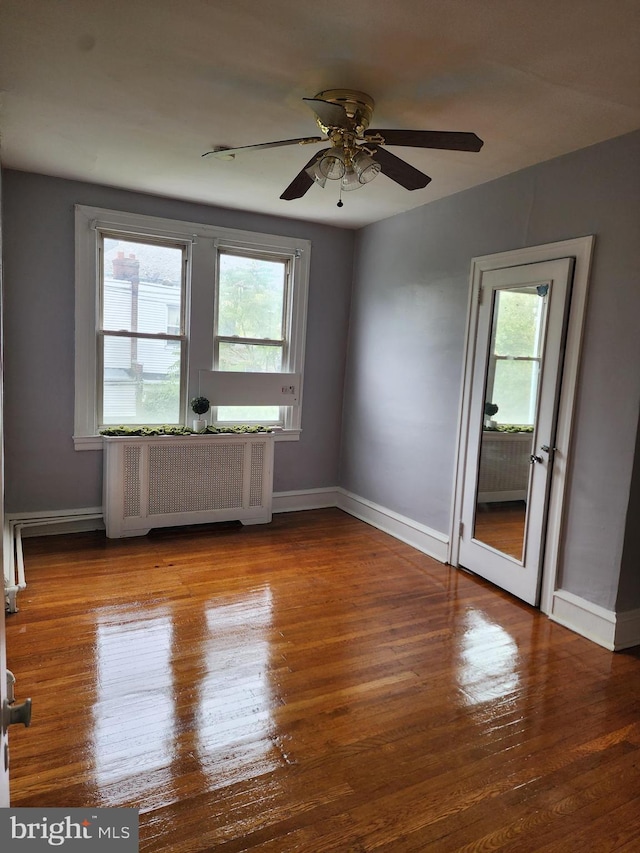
(357, 105)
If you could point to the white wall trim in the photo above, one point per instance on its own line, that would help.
(614, 631)
(305, 499)
(585, 618)
(419, 536)
(627, 629)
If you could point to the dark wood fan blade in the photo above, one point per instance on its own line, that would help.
(331, 115)
(402, 173)
(302, 182)
(223, 153)
(450, 140)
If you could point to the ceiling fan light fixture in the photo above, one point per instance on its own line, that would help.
(350, 181)
(365, 167)
(332, 164)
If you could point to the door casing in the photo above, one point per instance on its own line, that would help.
(581, 250)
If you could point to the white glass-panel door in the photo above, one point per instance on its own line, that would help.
(516, 372)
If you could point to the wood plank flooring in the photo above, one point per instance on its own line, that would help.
(315, 685)
(502, 525)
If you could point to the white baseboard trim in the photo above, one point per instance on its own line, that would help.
(614, 631)
(627, 629)
(306, 499)
(585, 618)
(419, 536)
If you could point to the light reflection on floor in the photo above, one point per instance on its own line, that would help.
(489, 661)
(140, 725)
(133, 728)
(235, 698)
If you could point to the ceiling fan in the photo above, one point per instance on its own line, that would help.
(356, 154)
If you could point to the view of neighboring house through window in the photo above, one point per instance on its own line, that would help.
(251, 331)
(141, 337)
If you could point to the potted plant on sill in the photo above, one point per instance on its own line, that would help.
(200, 406)
(490, 409)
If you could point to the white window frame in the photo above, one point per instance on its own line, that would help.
(202, 244)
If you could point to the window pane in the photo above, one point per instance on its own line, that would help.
(515, 392)
(248, 414)
(518, 319)
(142, 287)
(251, 297)
(249, 358)
(141, 381)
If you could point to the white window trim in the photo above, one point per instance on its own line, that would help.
(204, 241)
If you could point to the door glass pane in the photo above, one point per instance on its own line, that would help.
(142, 287)
(510, 404)
(141, 381)
(251, 297)
(515, 385)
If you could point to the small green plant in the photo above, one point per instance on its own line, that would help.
(164, 429)
(150, 431)
(200, 405)
(514, 428)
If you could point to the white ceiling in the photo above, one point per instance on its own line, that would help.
(130, 93)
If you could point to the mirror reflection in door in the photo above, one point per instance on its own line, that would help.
(512, 382)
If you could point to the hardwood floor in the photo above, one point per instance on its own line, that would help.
(502, 525)
(315, 685)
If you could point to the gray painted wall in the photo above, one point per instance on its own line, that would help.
(406, 348)
(43, 471)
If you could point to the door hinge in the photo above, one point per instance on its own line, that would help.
(480, 295)
(461, 530)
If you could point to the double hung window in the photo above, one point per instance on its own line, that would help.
(252, 324)
(516, 355)
(169, 310)
(142, 344)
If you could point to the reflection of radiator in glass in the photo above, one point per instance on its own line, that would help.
(504, 466)
(167, 481)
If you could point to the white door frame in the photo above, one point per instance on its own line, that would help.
(581, 249)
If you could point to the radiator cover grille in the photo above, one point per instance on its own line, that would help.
(194, 479)
(167, 481)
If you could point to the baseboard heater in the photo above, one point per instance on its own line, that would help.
(167, 481)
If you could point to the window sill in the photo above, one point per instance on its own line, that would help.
(94, 442)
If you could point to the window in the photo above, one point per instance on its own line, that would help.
(169, 310)
(141, 339)
(515, 359)
(251, 329)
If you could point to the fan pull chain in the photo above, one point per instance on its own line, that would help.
(340, 202)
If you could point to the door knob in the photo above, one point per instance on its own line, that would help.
(533, 458)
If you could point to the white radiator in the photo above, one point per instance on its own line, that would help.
(504, 466)
(166, 481)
